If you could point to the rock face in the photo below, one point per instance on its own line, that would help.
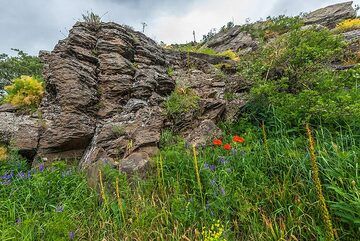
(239, 40)
(331, 15)
(234, 39)
(104, 100)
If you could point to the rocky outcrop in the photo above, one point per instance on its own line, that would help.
(331, 15)
(20, 132)
(240, 40)
(104, 100)
(234, 39)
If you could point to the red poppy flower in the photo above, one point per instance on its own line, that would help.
(238, 139)
(227, 147)
(217, 142)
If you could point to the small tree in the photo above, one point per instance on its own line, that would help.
(22, 64)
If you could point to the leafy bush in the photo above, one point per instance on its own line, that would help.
(13, 67)
(180, 101)
(25, 92)
(230, 54)
(294, 82)
(348, 25)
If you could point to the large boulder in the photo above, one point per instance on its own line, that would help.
(20, 131)
(331, 15)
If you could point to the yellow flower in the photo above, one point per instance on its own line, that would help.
(3, 153)
(347, 25)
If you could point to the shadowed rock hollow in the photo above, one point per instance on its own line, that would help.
(104, 100)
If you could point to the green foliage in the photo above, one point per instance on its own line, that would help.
(13, 67)
(170, 71)
(181, 101)
(254, 192)
(118, 130)
(272, 27)
(92, 19)
(25, 92)
(293, 81)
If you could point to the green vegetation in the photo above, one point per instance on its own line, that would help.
(288, 169)
(92, 19)
(22, 64)
(272, 27)
(181, 101)
(294, 81)
(25, 92)
(262, 189)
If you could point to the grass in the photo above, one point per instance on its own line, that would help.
(252, 192)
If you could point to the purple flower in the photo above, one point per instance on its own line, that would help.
(71, 235)
(213, 182)
(21, 175)
(222, 191)
(5, 183)
(222, 160)
(206, 165)
(41, 167)
(234, 151)
(212, 167)
(59, 209)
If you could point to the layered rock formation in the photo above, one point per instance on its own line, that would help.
(238, 39)
(105, 88)
(331, 15)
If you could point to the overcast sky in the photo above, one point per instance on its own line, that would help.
(33, 25)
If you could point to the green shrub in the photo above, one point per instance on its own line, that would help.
(25, 92)
(293, 81)
(13, 67)
(180, 101)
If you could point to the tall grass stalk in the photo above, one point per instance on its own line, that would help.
(119, 200)
(265, 138)
(316, 179)
(102, 189)
(197, 173)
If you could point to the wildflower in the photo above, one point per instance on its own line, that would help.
(59, 209)
(234, 152)
(71, 235)
(217, 142)
(222, 160)
(227, 147)
(41, 167)
(212, 167)
(222, 191)
(213, 182)
(238, 139)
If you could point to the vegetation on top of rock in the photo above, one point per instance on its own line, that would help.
(22, 64)
(181, 100)
(92, 19)
(272, 27)
(25, 92)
